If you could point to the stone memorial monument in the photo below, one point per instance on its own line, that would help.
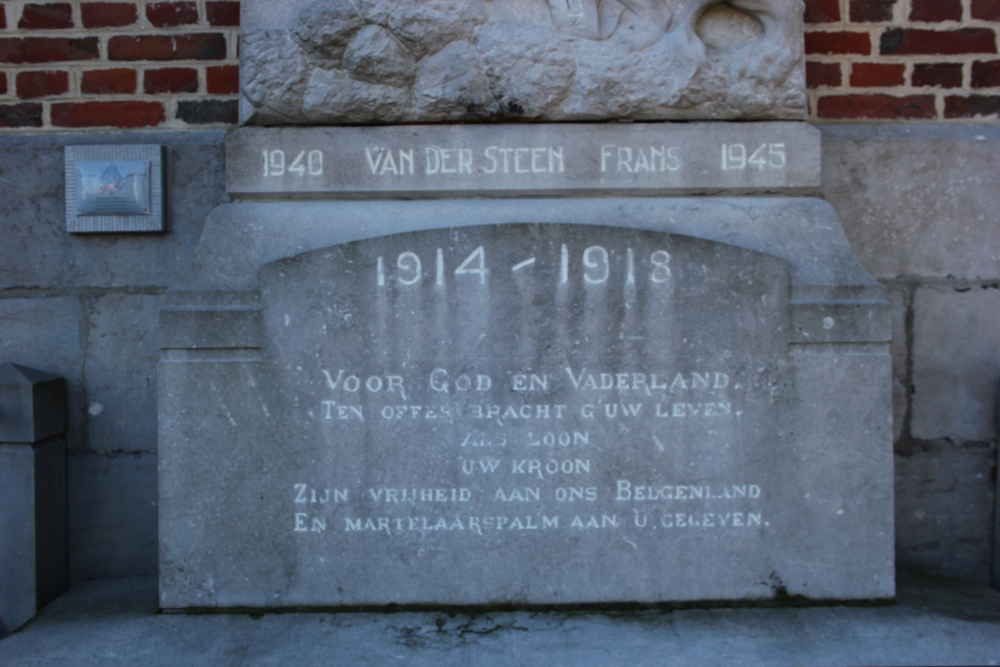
(523, 363)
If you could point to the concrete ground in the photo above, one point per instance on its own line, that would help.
(115, 622)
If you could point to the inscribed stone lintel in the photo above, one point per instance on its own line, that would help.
(435, 402)
(516, 160)
(329, 62)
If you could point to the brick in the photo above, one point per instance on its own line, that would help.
(869, 75)
(204, 112)
(108, 14)
(108, 82)
(48, 16)
(228, 13)
(987, 10)
(986, 74)
(3, 18)
(224, 80)
(47, 49)
(170, 80)
(935, 11)
(822, 74)
(172, 14)
(906, 42)
(871, 11)
(827, 43)
(3, 83)
(204, 46)
(910, 107)
(41, 84)
(957, 106)
(938, 75)
(107, 114)
(822, 11)
(28, 114)
(58, 49)
(11, 50)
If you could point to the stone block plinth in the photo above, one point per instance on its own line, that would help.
(33, 564)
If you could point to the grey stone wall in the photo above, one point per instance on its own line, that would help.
(920, 205)
(85, 307)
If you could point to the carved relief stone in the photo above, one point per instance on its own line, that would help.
(382, 61)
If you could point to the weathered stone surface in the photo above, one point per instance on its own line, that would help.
(277, 78)
(595, 60)
(916, 200)
(45, 334)
(944, 507)
(121, 373)
(956, 366)
(899, 305)
(333, 93)
(36, 250)
(451, 84)
(326, 29)
(239, 238)
(375, 56)
(374, 358)
(425, 27)
(514, 160)
(112, 515)
(529, 72)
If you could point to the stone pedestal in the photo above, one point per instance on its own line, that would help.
(524, 402)
(33, 563)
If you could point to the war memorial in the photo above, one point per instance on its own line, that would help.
(515, 306)
(596, 386)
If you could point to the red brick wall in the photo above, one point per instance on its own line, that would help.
(100, 65)
(139, 63)
(919, 60)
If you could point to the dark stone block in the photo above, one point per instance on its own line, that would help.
(112, 515)
(32, 404)
(205, 112)
(33, 555)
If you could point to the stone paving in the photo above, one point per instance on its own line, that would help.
(115, 622)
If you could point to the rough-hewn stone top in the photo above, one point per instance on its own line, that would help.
(312, 62)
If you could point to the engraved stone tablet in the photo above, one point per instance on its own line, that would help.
(523, 414)
(322, 62)
(530, 159)
(115, 188)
